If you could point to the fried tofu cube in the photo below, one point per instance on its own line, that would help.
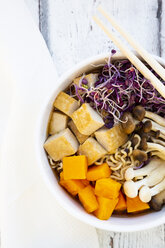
(81, 137)
(58, 122)
(66, 103)
(92, 150)
(91, 78)
(61, 144)
(86, 119)
(75, 167)
(111, 139)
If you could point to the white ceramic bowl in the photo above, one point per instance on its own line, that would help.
(115, 223)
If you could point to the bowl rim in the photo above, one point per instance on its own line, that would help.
(104, 225)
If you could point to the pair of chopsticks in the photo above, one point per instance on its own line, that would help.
(158, 85)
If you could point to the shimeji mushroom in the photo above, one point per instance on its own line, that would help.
(160, 120)
(131, 173)
(128, 122)
(131, 188)
(156, 149)
(146, 193)
(139, 112)
(158, 201)
(158, 141)
(156, 127)
(147, 126)
(139, 155)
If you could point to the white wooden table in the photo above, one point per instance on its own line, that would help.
(71, 36)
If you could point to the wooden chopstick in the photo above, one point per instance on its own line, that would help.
(138, 48)
(134, 60)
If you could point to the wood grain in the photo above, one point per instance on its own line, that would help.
(71, 36)
(79, 37)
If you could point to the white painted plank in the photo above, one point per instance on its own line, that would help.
(153, 238)
(33, 6)
(162, 26)
(72, 36)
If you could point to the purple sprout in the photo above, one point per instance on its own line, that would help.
(120, 86)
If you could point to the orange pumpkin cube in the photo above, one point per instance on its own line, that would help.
(107, 187)
(88, 199)
(106, 207)
(136, 205)
(62, 175)
(75, 167)
(72, 186)
(121, 205)
(98, 171)
(85, 182)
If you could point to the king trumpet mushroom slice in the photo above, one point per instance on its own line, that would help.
(139, 113)
(146, 193)
(131, 188)
(130, 173)
(158, 119)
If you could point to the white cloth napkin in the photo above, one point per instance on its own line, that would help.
(30, 216)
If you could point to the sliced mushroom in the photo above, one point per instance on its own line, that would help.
(158, 119)
(158, 201)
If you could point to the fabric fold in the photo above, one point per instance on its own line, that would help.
(30, 216)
